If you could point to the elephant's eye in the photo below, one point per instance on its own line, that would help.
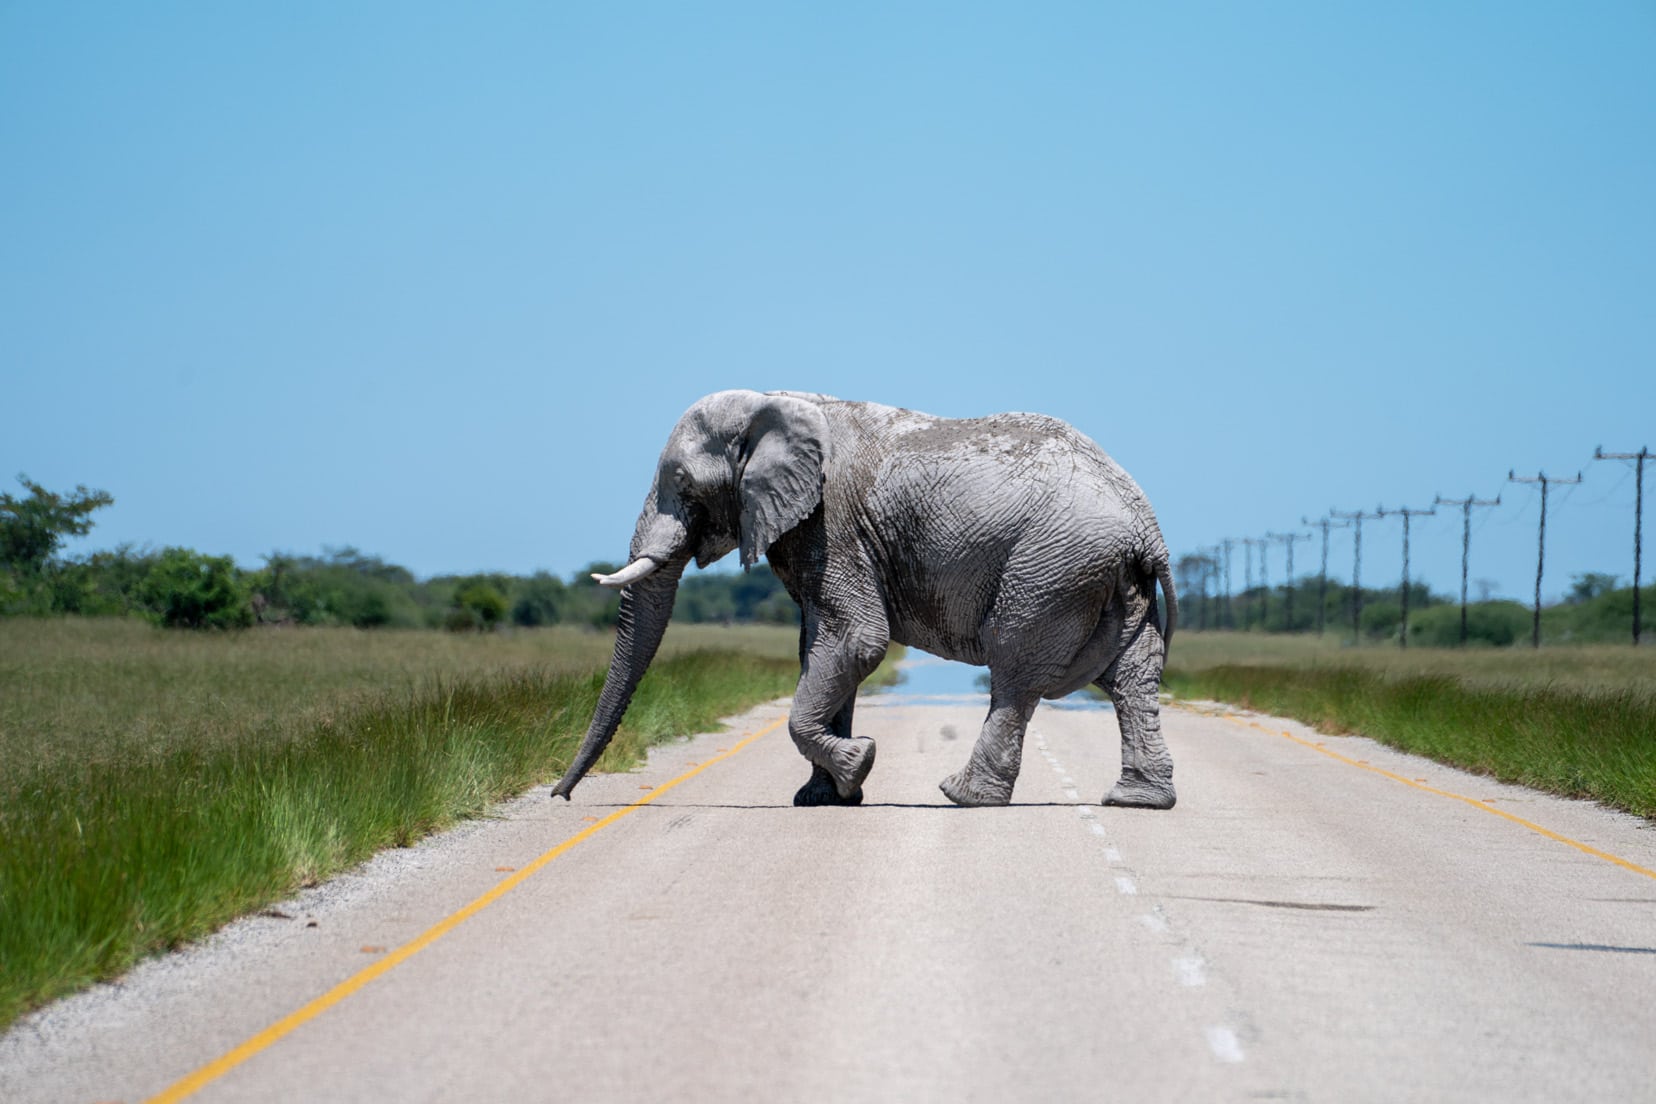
(681, 478)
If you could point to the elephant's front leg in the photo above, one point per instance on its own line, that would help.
(1133, 683)
(820, 789)
(988, 777)
(820, 722)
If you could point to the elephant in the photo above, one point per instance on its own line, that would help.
(1011, 541)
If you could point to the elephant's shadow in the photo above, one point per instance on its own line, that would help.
(943, 806)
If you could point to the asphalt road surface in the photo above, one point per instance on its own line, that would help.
(1319, 919)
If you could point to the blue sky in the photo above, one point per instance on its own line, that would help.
(436, 280)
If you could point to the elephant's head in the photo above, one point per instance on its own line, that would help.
(740, 469)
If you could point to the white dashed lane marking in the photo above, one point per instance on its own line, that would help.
(1189, 968)
(1224, 1044)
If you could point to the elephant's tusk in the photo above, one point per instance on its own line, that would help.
(629, 574)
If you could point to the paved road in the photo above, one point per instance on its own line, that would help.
(1301, 927)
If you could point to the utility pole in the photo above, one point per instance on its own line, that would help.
(1541, 542)
(1322, 578)
(1251, 543)
(1213, 570)
(1403, 635)
(1264, 587)
(1638, 521)
(1356, 520)
(1202, 562)
(1213, 583)
(1289, 539)
(1466, 505)
(1230, 620)
(1201, 590)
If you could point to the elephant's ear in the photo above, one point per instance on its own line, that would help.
(781, 480)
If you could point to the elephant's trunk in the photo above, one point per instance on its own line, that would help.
(646, 607)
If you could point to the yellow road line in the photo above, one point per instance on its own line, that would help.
(231, 1059)
(1472, 801)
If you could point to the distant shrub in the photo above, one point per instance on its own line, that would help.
(1604, 617)
(777, 609)
(187, 590)
(331, 595)
(538, 600)
(103, 584)
(482, 601)
(460, 619)
(1380, 620)
(1492, 623)
(750, 596)
(591, 604)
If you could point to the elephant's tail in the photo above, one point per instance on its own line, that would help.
(1162, 564)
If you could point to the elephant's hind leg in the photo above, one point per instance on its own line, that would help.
(988, 776)
(1133, 683)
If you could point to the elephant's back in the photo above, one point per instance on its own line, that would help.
(1008, 469)
(956, 507)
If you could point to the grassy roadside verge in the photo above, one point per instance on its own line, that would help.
(1590, 742)
(107, 859)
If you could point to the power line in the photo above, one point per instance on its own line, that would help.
(1250, 543)
(1541, 543)
(1466, 505)
(1627, 473)
(1322, 578)
(1356, 520)
(1638, 521)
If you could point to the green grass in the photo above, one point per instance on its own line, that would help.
(1574, 721)
(131, 823)
(73, 689)
(1578, 667)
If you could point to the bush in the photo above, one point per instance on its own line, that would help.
(539, 600)
(1605, 617)
(481, 601)
(587, 603)
(342, 587)
(461, 619)
(104, 584)
(750, 596)
(186, 590)
(1493, 623)
(1380, 620)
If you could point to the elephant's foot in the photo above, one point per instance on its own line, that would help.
(820, 790)
(848, 764)
(1134, 791)
(965, 788)
(839, 780)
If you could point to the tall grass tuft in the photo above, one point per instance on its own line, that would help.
(1596, 743)
(106, 859)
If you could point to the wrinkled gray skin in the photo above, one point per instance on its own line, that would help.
(1011, 541)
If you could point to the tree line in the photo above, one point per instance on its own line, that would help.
(184, 588)
(1595, 610)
